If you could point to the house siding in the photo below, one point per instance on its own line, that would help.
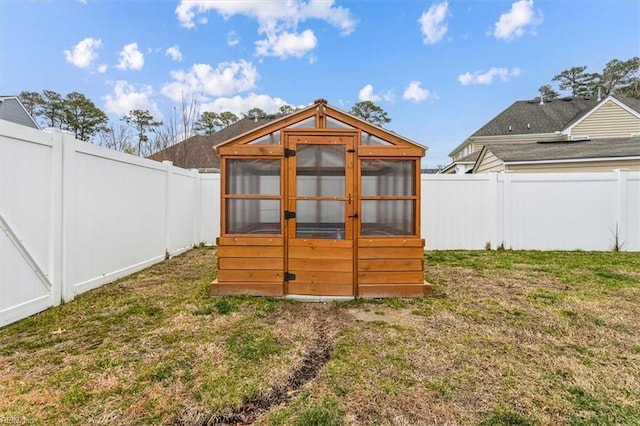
(578, 166)
(490, 163)
(608, 121)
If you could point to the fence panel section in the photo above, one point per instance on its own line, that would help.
(458, 211)
(114, 215)
(29, 210)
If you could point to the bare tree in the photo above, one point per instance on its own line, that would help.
(117, 137)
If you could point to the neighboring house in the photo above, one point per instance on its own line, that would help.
(11, 109)
(534, 132)
(199, 152)
(594, 155)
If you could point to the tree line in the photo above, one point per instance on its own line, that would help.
(617, 78)
(139, 132)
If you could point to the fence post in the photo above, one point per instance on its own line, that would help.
(197, 220)
(167, 207)
(507, 211)
(621, 210)
(57, 218)
(68, 143)
(494, 226)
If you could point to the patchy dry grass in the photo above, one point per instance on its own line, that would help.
(518, 338)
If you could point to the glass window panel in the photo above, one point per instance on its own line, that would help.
(308, 122)
(320, 171)
(333, 123)
(270, 139)
(320, 219)
(246, 216)
(388, 217)
(388, 178)
(369, 139)
(253, 177)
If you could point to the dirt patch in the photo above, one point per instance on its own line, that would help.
(256, 405)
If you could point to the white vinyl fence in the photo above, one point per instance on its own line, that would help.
(559, 211)
(74, 216)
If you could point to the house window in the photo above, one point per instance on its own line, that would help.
(252, 196)
(389, 200)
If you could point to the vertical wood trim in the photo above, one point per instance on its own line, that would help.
(223, 198)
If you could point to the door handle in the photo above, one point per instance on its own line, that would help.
(355, 215)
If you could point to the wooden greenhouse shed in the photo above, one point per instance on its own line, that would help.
(320, 203)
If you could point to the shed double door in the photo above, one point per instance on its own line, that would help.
(321, 214)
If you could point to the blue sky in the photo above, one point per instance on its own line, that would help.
(441, 69)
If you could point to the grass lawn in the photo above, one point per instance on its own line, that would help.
(509, 337)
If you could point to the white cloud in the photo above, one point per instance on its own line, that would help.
(240, 104)
(433, 23)
(174, 53)
(269, 13)
(102, 68)
(277, 20)
(514, 23)
(126, 97)
(287, 44)
(486, 78)
(130, 58)
(84, 53)
(203, 80)
(414, 92)
(232, 38)
(366, 94)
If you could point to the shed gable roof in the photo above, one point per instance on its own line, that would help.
(321, 108)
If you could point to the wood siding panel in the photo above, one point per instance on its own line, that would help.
(390, 253)
(322, 277)
(372, 265)
(241, 275)
(608, 121)
(321, 265)
(250, 265)
(250, 251)
(337, 253)
(490, 163)
(267, 263)
(379, 277)
(250, 241)
(391, 242)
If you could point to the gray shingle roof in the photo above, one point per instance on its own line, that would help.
(198, 152)
(597, 148)
(529, 117)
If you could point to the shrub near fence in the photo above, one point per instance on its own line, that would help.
(75, 216)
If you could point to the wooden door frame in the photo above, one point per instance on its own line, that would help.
(351, 196)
